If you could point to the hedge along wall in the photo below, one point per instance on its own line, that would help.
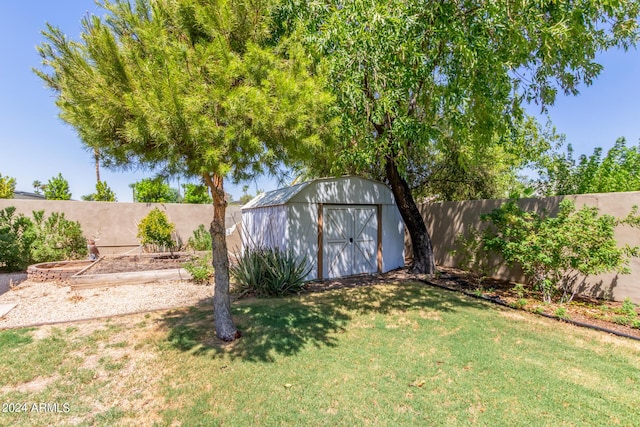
(446, 220)
(116, 224)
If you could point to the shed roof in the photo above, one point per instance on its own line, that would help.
(325, 190)
(276, 197)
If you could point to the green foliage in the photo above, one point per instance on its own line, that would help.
(194, 193)
(57, 188)
(627, 314)
(103, 193)
(155, 229)
(200, 240)
(7, 187)
(193, 88)
(554, 251)
(200, 269)
(57, 238)
(434, 93)
(25, 241)
(618, 171)
(434, 84)
(629, 308)
(561, 313)
(16, 236)
(154, 190)
(270, 272)
(187, 89)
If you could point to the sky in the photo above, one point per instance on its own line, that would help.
(36, 145)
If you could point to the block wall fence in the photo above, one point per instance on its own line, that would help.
(116, 224)
(447, 220)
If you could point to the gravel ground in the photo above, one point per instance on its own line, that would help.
(50, 302)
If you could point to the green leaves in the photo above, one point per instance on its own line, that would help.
(618, 171)
(7, 187)
(25, 241)
(439, 86)
(270, 272)
(154, 191)
(103, 193)
(16, 236)
(57, 238)
(189, 87)
(155, 229)
(552, 251)
(57, 188)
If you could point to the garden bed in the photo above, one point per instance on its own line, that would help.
(586, 311)
(128, 269)
(56, 271)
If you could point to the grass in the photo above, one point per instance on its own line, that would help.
(385, 355)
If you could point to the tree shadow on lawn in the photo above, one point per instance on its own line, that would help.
(283, 326)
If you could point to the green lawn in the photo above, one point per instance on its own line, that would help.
(385, 355)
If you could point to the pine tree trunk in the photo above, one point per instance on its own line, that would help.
(423, 260)
(225, 329)
(96, 156)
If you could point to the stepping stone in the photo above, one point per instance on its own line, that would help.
(5, 308)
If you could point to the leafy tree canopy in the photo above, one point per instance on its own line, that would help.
(154, 190)
(414, 81)
(7, 187)
(57, 188)
(190, 87)
(103, 193)
(194, 193)
(618, 170)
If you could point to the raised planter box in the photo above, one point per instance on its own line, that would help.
(89, 277)
(56, 271)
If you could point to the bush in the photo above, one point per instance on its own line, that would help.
(554, 251)
(57, 238)
(200, 269)
(201, 239)
(16, 236)
(270, 272)
(7, 187)
(155, 229)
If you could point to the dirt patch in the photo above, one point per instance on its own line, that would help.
(134, 263)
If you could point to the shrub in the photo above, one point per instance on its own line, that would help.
(57, 238)
(155, 229)
(201, 239)
(270, 272)
(7, 187)
(16, 235)
(553, 252)
(628, 308)
(200, 269)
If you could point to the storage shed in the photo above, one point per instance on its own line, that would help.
(344, 226)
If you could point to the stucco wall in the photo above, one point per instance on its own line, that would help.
(445, 221)
(115, 224)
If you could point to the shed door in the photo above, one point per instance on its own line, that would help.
(350, 240)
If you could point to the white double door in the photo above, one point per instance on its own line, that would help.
(350, 240)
